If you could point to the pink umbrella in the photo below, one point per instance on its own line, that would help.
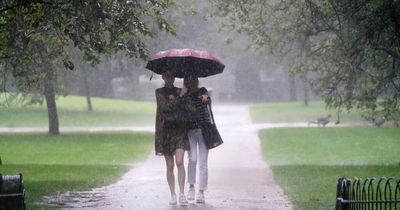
(185, 62)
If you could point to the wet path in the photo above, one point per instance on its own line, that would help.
(239, 178)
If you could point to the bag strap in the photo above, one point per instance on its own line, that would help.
(210, 113)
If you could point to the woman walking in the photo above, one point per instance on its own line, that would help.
(171, 138)
(198, 152)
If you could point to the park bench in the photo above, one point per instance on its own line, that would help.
(368, 194)
(12, 192)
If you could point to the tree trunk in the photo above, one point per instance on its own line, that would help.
(292, 88)
(306, 90)
(306, 98)
(50, 96)
(87, 92)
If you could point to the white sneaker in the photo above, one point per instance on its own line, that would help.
(200, 198)
(191, 194)
(182, 200)
(173, 200)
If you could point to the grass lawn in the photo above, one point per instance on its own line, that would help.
(307, 162)
(70, 161)
(72, 112)
(296, 112)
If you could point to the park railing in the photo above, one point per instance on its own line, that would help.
(368, 194)
(12, 192)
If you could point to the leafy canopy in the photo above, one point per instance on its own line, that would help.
(38, 35)
(349, 50)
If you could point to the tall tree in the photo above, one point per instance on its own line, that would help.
(351, 46)
(35, 38)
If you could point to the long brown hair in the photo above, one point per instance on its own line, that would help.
(191, 82)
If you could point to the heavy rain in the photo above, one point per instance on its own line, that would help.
(184, 104)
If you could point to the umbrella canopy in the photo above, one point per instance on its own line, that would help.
(185, 62)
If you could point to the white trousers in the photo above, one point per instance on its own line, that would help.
(197, 142)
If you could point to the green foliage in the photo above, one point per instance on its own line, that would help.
(308, 161)
(70, 162)
(348, 50)
(37, 38)
(38, 35)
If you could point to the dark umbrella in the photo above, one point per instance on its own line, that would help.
(185, 62)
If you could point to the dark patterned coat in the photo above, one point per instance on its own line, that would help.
(169, 138)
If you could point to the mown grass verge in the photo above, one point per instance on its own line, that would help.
(307, 162)
(297, 112)
(72, 161)
(72, 111)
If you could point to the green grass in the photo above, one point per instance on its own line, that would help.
(296, 112)
(72, 161)
(307, 162)
(72, 112)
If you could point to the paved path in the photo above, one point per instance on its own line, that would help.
(239, 178)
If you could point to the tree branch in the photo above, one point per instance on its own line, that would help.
(389, 51)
